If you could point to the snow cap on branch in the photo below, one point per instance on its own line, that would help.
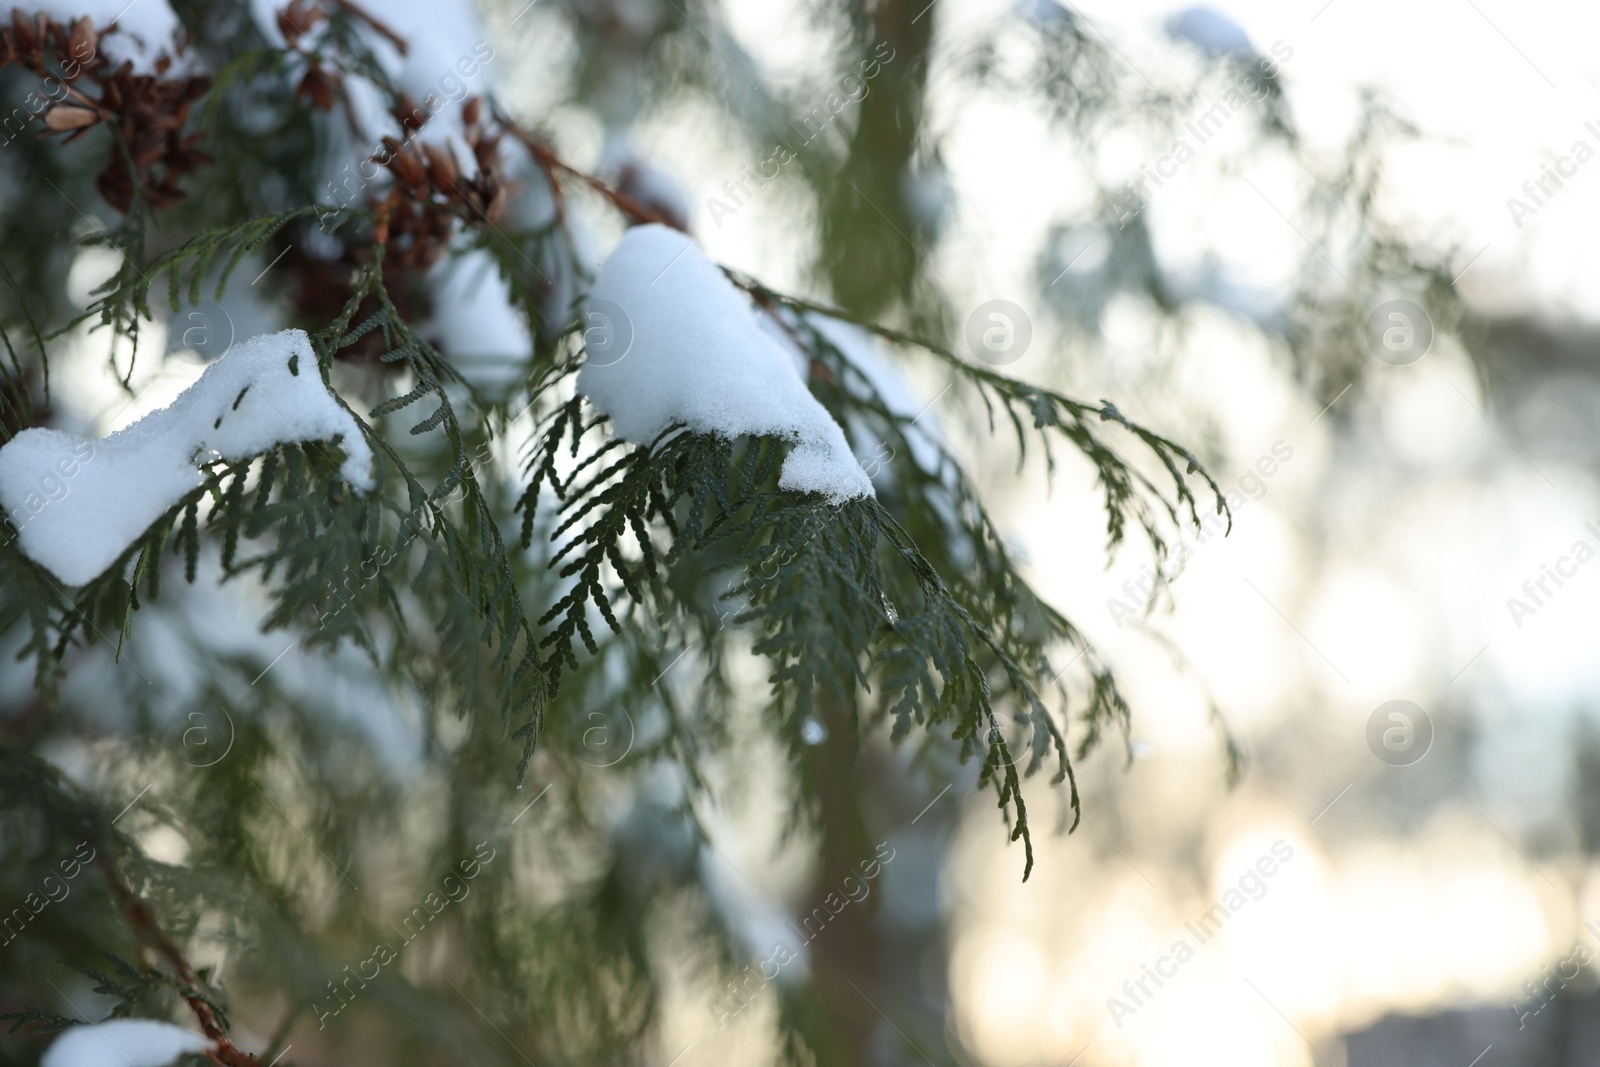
(122, 1043)
(78, 503)
(670, 340)
(1214, 33)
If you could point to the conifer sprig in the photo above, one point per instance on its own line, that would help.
(1126, 489)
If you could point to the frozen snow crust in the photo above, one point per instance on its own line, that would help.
(670, 339)
(78, 503)
(122, 1043)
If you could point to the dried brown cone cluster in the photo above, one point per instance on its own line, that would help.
(431, 192)
(85, 89)
(296, 20)
(415, 216)
(319, 86)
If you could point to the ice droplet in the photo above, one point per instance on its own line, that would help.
(888, 609)
(812, 732)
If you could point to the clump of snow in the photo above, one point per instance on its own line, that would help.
(782, 330)
(879, 376)
(145, 30)
(684, 346)
(1214, 33)
(1044, 13)
(78, 503)
(122, 1043)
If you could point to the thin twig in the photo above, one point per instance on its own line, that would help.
(546, 157)
(147, 929)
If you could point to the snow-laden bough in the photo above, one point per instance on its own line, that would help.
(672, 341)
(122, 1043)
(78, 503)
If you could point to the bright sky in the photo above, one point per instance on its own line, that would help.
(1500, 87)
